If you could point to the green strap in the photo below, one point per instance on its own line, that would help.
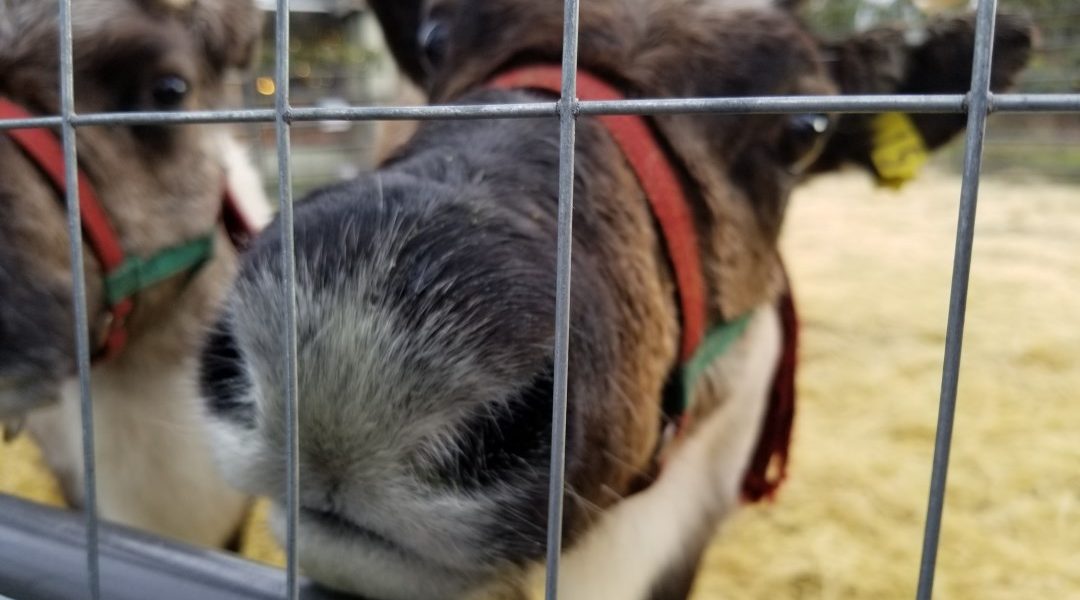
(137, 274)
(717, 341)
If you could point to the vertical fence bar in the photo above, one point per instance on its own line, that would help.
(978, 108)
(288, 258)
(78, 295)
(567, 135)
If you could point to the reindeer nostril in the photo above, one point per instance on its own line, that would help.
(503, 442)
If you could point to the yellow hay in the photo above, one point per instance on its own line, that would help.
(871, 270)
(23, 473)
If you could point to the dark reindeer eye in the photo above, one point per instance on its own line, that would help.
(809, 125)
(433, 39)
(169, 91)
(804, 139)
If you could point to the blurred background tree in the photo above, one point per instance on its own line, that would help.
(338, 58)
(1043, 145)
(1056, 64)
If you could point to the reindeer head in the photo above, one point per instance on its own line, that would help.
(716, 48)
(159, 185)
(426, 290)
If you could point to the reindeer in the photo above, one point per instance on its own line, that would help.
(158, 260)
(426, 297)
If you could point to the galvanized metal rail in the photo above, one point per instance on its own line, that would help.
(938, 103)
(43, 557)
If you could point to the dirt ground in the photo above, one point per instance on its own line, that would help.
(871, 270)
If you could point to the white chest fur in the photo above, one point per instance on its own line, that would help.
(636, 540)
(154, 468)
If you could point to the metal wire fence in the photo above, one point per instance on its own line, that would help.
(978, 103)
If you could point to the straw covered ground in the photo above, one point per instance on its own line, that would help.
(871, 270)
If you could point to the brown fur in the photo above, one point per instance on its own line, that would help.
(159, 185)
(675, 48)
(425, 301)
(156, 195)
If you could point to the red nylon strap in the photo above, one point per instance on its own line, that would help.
(657, 178)
(768, 465)
(45, 150)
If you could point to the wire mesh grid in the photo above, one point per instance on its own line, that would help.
(977, 103)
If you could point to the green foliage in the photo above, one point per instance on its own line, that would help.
(831, 17)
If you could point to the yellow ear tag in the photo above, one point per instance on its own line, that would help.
(898, 151)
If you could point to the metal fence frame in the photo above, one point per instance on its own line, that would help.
(977, 103)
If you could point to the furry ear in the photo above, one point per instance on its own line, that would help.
(884, 61)
(400, 22)
(230, 30)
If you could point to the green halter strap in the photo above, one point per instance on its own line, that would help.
(716, 341)
(136, 274)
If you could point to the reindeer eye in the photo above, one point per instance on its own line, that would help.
(810, 125)
(433, 39)
(169, 91)
(804, 139)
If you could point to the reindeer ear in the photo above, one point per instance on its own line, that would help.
(884, 61)
(230, 30)
(400, 22)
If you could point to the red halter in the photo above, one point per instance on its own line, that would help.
(656, 177)
(672, 211)
(124, 275)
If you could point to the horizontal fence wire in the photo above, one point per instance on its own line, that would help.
(938, 103)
